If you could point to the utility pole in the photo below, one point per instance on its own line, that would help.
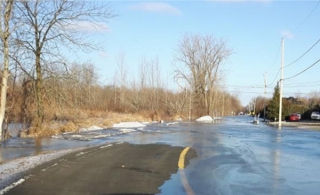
(281, 81)
(254, 106)
(265, 92)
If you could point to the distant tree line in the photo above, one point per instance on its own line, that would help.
(290, 105)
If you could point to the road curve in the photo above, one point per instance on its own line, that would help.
(110, 169)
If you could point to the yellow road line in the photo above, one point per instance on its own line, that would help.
(185, 183)
(182, 157)
(181, 166)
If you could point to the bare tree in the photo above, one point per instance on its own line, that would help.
(143, 73)
(314, 99)
(50, 26)
(5, 12)
(135, 101)
(201, 58)
(176, 102)
(123, 76)
(154, 82)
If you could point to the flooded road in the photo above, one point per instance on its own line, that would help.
(237, 157)
(234, 156)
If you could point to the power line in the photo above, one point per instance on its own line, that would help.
(302, 71)
(274, 62)
(304, 83)
(241, 86)
(303, 20)
(261, 93)
(303, 54)
(274, 78)
(275, 59)
(288, 35)
(256, 87)
(290, 93)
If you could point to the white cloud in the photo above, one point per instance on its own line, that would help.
(286, 34)
(158, 7)
(88, 27)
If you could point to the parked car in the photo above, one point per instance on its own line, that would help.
(294, 117)
(315, 115)
(299, 115)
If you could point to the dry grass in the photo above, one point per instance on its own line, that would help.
(71, 120)
(81, 119)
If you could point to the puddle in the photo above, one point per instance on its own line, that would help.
(17, 147)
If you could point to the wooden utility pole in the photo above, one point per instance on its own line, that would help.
(281, 82)
(265, 92)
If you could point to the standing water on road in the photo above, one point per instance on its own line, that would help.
(234, 155)
(16, 147)
(238, 157)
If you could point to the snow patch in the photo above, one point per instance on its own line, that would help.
(20, 181)
(127, 130)
(92, 128)
(173, 123)
(76, 136)
(204, 119)
(109, 145)
(80, 153)
(101, 136)
(128, 125)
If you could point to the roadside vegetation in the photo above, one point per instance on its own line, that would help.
(49, 94)
(303, 105)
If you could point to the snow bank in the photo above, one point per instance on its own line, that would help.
(204, 119)
(128, 125)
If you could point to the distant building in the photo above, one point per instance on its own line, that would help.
(293, 100)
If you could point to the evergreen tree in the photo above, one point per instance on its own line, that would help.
(273, 107)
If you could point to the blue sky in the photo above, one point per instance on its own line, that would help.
(253, 30)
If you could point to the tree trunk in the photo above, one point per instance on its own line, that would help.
(5, 74)
(38, 91)
(4, 88)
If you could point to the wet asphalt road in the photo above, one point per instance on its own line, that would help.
(236, 157)
(110, 169)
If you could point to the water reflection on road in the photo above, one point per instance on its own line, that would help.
(237, 157)
(21, 147)
(234, 156)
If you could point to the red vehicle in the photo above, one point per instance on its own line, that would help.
(294, 117)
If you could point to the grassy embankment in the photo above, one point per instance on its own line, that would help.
(82, 119)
